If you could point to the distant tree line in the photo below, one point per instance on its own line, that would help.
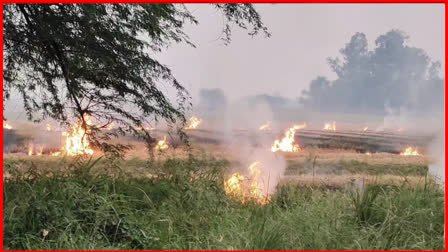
(391, 76)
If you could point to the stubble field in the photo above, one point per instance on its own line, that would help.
(327, 199)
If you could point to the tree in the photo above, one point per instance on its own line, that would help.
(72, 60)
(212, 102)
(392, 75)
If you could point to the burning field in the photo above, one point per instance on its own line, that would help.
(174, 127)
(249, 193)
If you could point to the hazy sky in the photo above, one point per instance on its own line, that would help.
(303, 37)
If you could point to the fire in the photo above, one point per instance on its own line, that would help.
(265, 126)
(30, 148)
(330, 126)
(39, 153)
(110, 126)
(287, 143)
(237, 186)
(400, 129)
(410, 152)
(368, 154)
(194, 123)
(146, 128)
(6, 125)
(233, 186)
(162, 144)
(365, 128)
(76, 142)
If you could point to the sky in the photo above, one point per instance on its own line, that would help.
(303, 37)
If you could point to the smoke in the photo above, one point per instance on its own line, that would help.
(395, 80)
(25, 133)
(212, 103)
(272, 167)
(254, 145)
(437, 154)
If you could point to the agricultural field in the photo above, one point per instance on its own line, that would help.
(135, 126)
(182, 199)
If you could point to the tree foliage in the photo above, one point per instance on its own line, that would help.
(212, 103)
(72, 60)
(393, 75)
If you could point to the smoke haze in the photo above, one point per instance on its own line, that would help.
(380, 65)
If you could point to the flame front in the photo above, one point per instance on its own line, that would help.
(110, 126)
(194, 123)
(237, 186)
(161, 145)
(6, 125)
(233, 186)
(76, 142)
(30, 148)
(330, 126)
(265, 126)
(287, 144)
(410, 152)
(365, 128)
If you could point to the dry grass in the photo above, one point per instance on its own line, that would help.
(336, 155)
(341, 181)
(327, 172)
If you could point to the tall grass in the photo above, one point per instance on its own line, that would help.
(183, 207)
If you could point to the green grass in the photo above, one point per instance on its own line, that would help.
(356, 167)
(185, 208)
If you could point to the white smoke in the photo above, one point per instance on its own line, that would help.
(436, 151)
(272, 167)
(432, 123)
(254, 145)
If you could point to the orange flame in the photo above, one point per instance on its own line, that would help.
(30, 148)
(330, 126)
(39, 153)
(400, 129)
(245, 190)
(110, 126)
(410, 152)
(76, 142)
(146, 128)
(6, 125)
(265, 126)
(194, 123)
(287, 144)
(365, 128)
(162, 144)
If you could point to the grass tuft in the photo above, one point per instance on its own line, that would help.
(179, 204)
